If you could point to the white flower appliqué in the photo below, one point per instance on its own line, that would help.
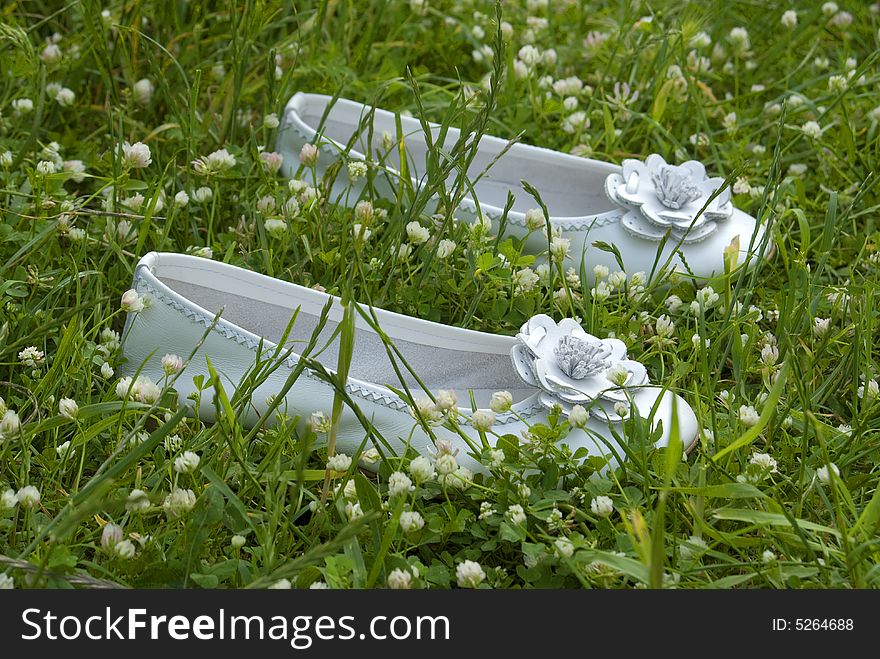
(663, 197)
(572, 367)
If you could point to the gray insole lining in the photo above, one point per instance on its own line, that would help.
(438, 368)
(567, 191)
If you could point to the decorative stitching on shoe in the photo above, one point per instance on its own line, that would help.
(374, 395)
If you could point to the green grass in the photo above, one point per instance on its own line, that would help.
(68, 246)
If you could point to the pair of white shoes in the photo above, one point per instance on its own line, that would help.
(652, 212)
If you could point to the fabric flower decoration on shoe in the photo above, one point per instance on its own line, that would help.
(663, 197)
(572, 367)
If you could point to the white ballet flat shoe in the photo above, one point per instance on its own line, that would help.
(632, 207)
(545, 365)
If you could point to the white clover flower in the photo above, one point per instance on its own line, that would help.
(22, 106)
(68, 408)
(134, 202)
(841, 19)
(271, 121)
(617, 374)
(399, 483)
(446, 464)
(181, 199)
(501, 401)
(768, 556)
(6, 582)
(353, 511)
(179, 502)
(748, 415)
(571, 86)
(357, 169)
(65, 97)
(535, 219)
(238, 541)
(739, 38)
(411, 521)
(186, 463)
(124, 549)
(349, 491)
(416, 233)
(203, 194)
(469, 574)
(445, 400)
(602, 506)
(399, 579)
(559, 247)
(142, 91)
(8, 500)
(789, 19)
(486, 510)
(111, 535)
(6, 159)
(445, 248)
(576, 122)
(172, 364)
(617, 279)
(281, 584)
(136, 156)
(215, 162)
(51, 53)
(696, 339)
(765, 462)
(496, 457)
(529, 55)
(563, 547)
(524, 280)
(364, 211)
(132, 302)
(76, 169)
(426, 410)
(483, 420)
(339, 462)
(142, 390)
(821, 327)
(701, 40)
(267, 204)
(516, 514)
(824, 475)
(320, 421)
(693, 547)
(360, 232)
(308, 155)
(28, 497)
(869, 391)
(812, 129)
(45, 167)
(461, 478)
(664, 326)
(602, 291)
(829, 8)
(837, 83)
(600, 272)
(31, 357)
(421, 469)
(769, 355)
(137, 501)
(271, 161)
(578, 416)
(9, 424)
(275, 227)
